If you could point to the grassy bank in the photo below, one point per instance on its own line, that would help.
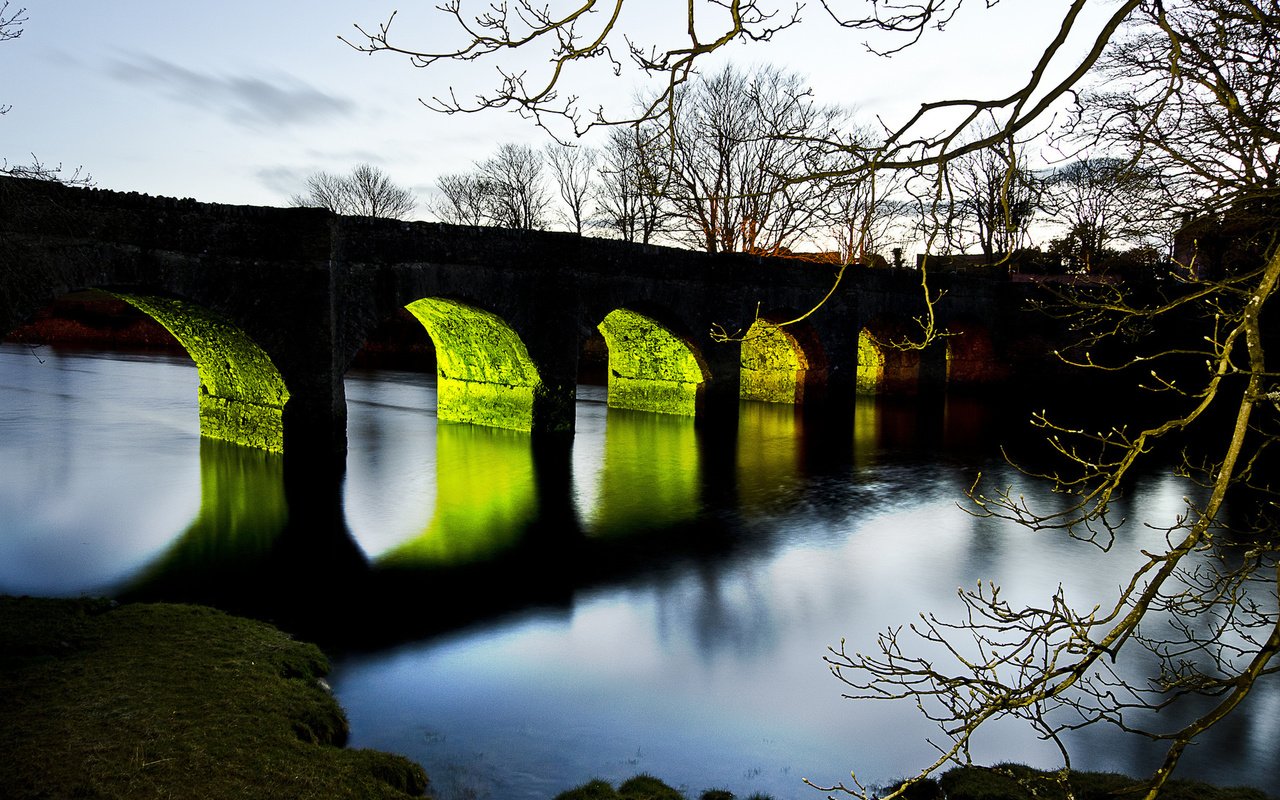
(171, 701)
(162, 701)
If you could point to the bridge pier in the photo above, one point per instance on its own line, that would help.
(722, 388)
(933, 368)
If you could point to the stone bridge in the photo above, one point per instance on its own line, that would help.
(273, 304)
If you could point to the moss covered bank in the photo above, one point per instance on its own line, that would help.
(172, 701)
(151, 701)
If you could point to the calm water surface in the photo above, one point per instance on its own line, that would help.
(520, 619)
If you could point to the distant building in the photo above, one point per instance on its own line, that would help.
(1215, 246)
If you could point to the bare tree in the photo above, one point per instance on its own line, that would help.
(736, 142)
(629, 195)
(323, 190)
(573, 168)
(366, 192)
(517, 195)
(465, 199)
(40, 171)
(994, 196)
(372, 194)
(1098, 201)
(1189, 86)
(11, 23)
(858, 216)
(10, 28)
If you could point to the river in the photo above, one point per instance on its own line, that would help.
(647, 599)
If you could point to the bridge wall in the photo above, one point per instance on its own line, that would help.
(307, 288)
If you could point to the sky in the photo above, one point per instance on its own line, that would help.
(237, 102)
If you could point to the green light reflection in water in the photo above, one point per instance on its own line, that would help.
(485, 374)
(486, 496)
(769, 454)
(866, 430)
(649, 476)
(242, 513)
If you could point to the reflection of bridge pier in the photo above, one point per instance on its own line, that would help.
(274, 304)
(269, 534)
(510, 525)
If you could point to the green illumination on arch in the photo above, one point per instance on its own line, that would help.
(242, 394)
(485, 374)
(650, 368)
(871, 360)
(773, 365)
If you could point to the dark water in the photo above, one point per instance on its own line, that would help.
(522, 617)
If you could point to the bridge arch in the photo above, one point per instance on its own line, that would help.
(883, 367)
(485, 374)
(241, 393)
(780, 363)
(651, 367)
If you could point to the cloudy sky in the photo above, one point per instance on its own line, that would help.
(236, 101)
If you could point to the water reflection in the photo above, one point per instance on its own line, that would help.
(769, 455)
(243, 513)
(593, 647)
(650, 475)
(98, 466)
(485, 498)
(390, 485)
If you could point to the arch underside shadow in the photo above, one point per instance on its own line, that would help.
(650, 368)
(242, 394)
(485, 375)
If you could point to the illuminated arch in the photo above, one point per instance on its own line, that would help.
(884, 368)
(774, 365)
(871, 360)
(242, 394)
(650, 368)
(485, 374)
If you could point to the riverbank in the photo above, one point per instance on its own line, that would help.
(1001, 782)
(157, 701)
(162, 700)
